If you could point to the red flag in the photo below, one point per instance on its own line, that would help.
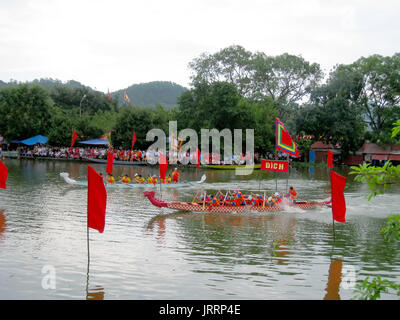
(338, 183)
(110, 160)
(97, 201)
(198, 158)
(3, 175)
(330, 159)
(133, 139)
(163, 165)
(109, 95)
(74, 137)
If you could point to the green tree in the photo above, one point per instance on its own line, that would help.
(25, 111)
(137, 119)
(285, 78)
(334, 113)
(380, 91)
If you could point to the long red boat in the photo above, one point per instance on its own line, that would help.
(204, 207)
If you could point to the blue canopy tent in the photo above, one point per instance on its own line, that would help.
(95, 142)
(35, 140)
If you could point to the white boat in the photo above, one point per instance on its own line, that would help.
(120, 185)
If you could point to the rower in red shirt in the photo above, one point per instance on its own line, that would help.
(175, 175)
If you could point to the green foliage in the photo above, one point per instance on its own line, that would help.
(371, 290)
(392, 229)
(25, 111)
(333, 112)
(219, 105)
(380, 90)
(140, 120)
(377, 178)
(396, 128)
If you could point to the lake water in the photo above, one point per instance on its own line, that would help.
(152, 253)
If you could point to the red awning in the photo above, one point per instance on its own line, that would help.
(394, 157)
(379, 157)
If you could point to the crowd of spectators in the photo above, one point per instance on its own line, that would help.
(43, 151)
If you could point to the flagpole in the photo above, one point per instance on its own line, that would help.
(333, 220)
(287, 179)
(88, 261)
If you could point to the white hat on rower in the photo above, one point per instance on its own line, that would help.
(270, 198)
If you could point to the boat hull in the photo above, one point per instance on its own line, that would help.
(118, 162)
(232, 167)
(197, 207)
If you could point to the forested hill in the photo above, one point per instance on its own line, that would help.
(150, 94)
(145, 94)
(49, 84)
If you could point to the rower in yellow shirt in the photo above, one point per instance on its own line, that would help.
(110, 178)
(125, 179)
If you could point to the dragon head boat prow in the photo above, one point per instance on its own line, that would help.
(156, 202)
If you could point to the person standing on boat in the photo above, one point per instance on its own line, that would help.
(175, 175)
(292, 193)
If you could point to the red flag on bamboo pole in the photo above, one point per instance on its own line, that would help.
(330, 159)
(198, 158)
(97, 201)
(110, 160)
(133, 139)
(338, 183)
(74, 137)
(163, 165)
(3, 175)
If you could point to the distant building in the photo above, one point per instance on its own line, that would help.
(319, 150)
(369, 152)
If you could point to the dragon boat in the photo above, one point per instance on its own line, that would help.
(120, 185)
(197, 206)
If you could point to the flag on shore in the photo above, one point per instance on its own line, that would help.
(109, 95)
(338, 184)
(283, 140)
(3, 175)
(74, 137)
(97, 201)
(110, 161)
(198, 158)
(163, 165)
(330, 159)
(133, 139)
(126, 98)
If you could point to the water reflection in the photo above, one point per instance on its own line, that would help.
(334, 280)
(210, 232)
(2, 223)
(95, 293)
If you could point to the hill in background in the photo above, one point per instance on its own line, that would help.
(150, 94)
(145, 94)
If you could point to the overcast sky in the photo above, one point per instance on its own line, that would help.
(114, 44)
